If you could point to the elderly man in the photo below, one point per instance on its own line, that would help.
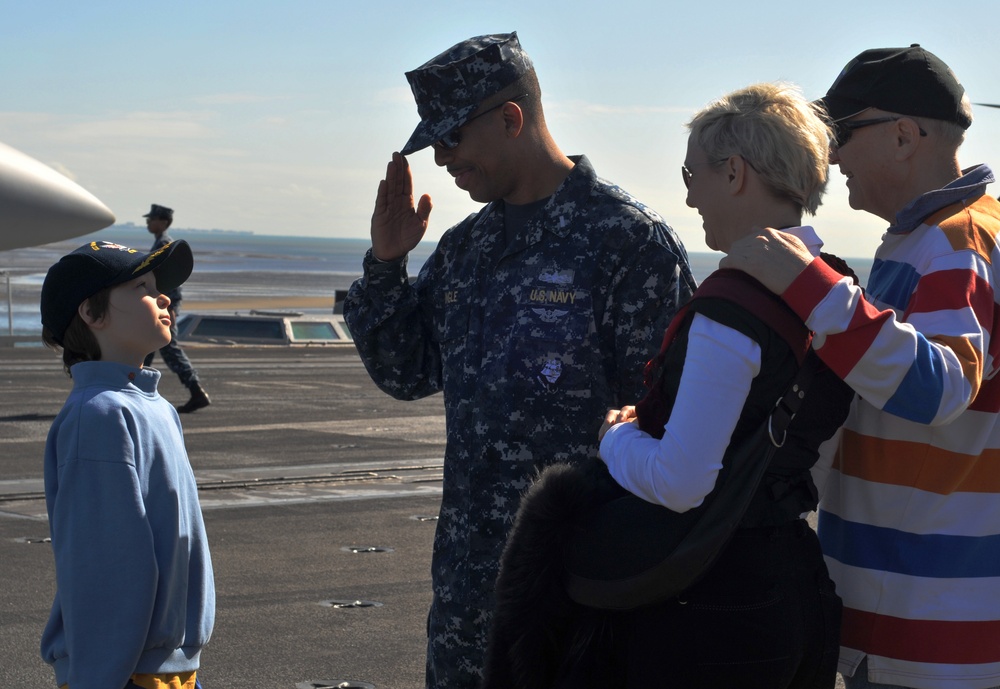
(910, 519)
(533, 316)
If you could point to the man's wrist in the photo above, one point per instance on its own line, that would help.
(377, 266)
(809, 288)
(375, 259)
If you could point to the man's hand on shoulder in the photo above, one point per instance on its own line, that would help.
(773, 257)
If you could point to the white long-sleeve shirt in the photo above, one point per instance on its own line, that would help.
(681, 468)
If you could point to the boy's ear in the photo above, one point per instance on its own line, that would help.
(83, 310)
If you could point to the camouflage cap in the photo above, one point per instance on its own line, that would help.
(451, 86)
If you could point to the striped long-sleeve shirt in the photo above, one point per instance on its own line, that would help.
(910, 519)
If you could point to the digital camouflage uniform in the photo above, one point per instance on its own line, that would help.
(531, 344)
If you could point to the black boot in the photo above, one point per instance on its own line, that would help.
(199, 399)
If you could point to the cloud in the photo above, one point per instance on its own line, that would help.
(577, 108)
(16, 120)
(140, 125)
(133, 126)
(235, 98)
(395, 96)
(63, 170)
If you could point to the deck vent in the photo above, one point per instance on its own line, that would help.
(351, 603)
(367, 549)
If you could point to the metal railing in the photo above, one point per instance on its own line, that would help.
(10, 305)
(10, 339)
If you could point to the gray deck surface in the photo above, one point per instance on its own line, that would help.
(299, 458)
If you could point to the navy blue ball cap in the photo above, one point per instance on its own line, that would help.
(449, 88)
(906, 81)
(96, 266)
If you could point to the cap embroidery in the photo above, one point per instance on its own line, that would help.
(97, 246)
(150, 258)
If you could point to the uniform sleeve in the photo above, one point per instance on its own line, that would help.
(393, 331)
(926, 366)
(649, 287)
(680, 469)
(105, 565)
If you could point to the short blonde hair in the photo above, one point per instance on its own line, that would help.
(784, 137)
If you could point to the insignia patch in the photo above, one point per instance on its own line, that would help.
(550, 315)
(550, 373)
(553, 296)
(557, 277)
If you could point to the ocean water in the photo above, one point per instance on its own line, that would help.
(232, 265)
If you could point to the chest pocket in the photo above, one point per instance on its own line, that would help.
(450, 315)
(553, 339)
(555, 315)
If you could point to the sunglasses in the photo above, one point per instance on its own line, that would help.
(453, 138)
(686, 174)
(842, 131)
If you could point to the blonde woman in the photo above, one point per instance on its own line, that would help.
(765, 614)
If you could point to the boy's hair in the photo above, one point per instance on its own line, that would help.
(79, 343)
(778, 132)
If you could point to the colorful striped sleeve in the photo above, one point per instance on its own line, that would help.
(925, 365)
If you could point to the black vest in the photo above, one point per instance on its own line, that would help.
(740, 302)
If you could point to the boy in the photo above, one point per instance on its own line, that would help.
(135, 595)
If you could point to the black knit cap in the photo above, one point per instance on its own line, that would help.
(907, 81)
(79, 275)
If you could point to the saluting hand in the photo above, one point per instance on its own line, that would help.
(398, 226)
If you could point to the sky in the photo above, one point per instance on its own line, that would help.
(279, 117)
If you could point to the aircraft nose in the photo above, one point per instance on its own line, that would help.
(40, 205)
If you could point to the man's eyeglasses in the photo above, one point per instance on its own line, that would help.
(453, 138)
(842, 131)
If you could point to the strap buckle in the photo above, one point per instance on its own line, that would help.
(784, 412)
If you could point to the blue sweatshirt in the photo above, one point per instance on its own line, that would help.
(135, 591)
